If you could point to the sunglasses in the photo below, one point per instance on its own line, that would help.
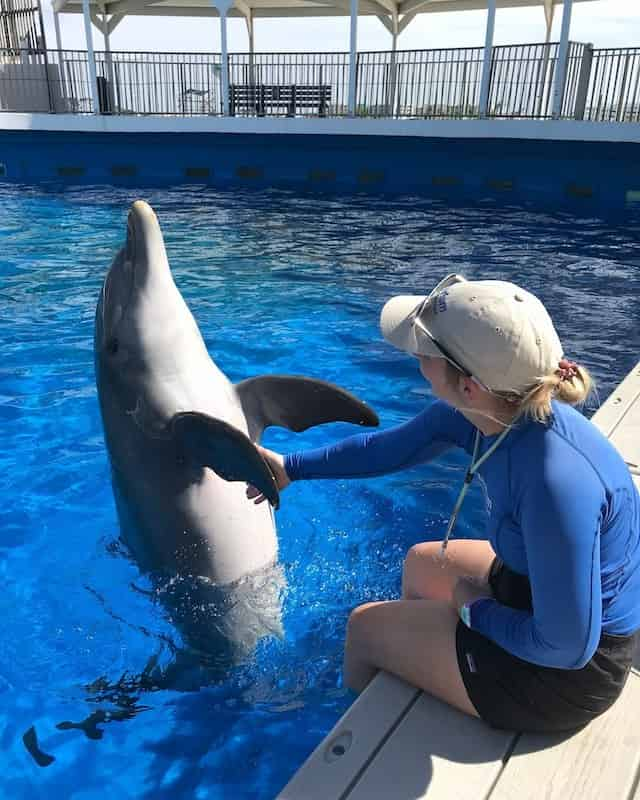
(443, 350)
(448, 280)
(415, 320)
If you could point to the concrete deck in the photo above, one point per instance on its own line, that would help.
(397, 743)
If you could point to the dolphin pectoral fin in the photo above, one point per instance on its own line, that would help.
(210, 442)
(299, 403)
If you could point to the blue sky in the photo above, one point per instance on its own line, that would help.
(605, 23)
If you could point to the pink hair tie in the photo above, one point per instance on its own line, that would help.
(567, 370)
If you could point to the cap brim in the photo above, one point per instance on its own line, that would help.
(398, 315)
(397, 326)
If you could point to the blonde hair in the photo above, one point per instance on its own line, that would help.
(535, 403)
(574, 390)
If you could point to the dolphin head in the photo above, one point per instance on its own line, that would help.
(145, 335)
(141, 318)
(139, 271)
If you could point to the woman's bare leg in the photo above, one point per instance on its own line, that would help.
(428, 575)
(413, 639)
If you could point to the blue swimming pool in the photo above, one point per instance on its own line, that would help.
(278, 282)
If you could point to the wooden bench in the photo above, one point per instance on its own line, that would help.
(265, 99)
(397, 743)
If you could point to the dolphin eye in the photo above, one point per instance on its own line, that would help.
(113, 346)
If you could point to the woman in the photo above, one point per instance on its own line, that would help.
(534, 628)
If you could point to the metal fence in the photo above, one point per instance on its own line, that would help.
(614, 86)
(445, 83)
(21, 24)
(419, 83)
(184, 84)
(57, 81)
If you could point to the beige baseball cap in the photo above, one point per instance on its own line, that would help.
(493, 331)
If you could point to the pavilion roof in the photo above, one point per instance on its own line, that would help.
(294, 8)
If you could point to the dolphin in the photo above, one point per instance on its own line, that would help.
(181, 440)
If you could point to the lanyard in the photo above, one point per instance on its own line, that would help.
(471, 471)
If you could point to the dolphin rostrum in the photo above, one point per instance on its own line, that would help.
(181, 442)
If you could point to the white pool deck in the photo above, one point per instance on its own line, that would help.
(397, 743)
(536, 129)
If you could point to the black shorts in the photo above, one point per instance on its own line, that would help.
(516, 695)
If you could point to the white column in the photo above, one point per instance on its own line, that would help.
(56, 23)
(225, 62)
(223, 7)
(252, 71)
(353, 54)
(249, 20)
(393, 68)
(549, 8)
(486, 64)
(90, 57)
(111, 94)
(561, 66)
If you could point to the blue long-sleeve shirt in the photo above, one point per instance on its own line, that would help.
(562, 509)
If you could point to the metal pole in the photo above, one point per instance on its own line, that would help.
(584, 79)
(549, 8)
(223, 7)
(90, 57)
(56, 23)
(561, 67)
(393, 72)
(252, 76)
(486, 64)
(108, 58)
(352, 58)
(60, 62)
(225, 62)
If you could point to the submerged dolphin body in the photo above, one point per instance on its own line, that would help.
(177, 432)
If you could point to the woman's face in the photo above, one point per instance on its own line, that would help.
(435, 370)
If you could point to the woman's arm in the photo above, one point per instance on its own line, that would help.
(560, 514)
(424, 437)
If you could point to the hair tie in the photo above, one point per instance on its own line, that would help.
(567, 370)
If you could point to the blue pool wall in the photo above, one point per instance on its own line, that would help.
(588, 176)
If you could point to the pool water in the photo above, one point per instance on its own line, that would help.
(278, 282)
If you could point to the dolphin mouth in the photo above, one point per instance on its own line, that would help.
(131, 266)
(132, 233)
(144, 248)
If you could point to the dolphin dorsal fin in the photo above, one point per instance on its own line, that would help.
(210, 442)
(298, 403)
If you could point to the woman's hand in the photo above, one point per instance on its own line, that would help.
(467, 590)
(276, 465)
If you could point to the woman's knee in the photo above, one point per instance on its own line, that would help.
(358, 618)
(421, 553)
(363, 628)
(430, 575)
(418, 568)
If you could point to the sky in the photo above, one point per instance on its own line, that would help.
(604, 23)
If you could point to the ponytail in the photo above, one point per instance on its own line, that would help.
(571, 384)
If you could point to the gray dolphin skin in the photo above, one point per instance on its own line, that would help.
(181, 442)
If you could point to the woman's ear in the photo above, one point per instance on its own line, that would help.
(471, 389)
(466, 385)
